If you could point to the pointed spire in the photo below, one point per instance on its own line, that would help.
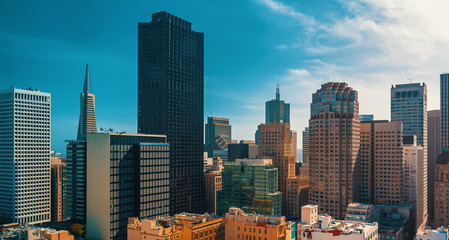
(87, 86)
(278, 95)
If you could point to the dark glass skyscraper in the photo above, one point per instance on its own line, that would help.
(218, 134)
(276, 110)
(170, 102)
(444, 106)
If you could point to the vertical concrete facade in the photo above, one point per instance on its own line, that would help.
(25, 160)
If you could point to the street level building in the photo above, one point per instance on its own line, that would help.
(326, 228)
(432, 234)
(200, 226)
(152, 229)
(242, 225)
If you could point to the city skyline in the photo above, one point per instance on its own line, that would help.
(300, 50)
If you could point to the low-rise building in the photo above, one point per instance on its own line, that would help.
(152, 229)
(396, 221)
(309, 214)
(361, 212)
(241, 225)
(57, 235)
(195, 226)
(21, 232)
(327, 228)
(432, 234)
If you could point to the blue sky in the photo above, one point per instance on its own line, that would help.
(250, 45)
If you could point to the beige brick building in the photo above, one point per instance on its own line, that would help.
(297, 195)
(241, 225)
(275, 143)
(442, 190)
(213, 183)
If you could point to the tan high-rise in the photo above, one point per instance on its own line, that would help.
(87, 123)
(442, 190)
(334, 140)
(297, 195)
(58, 180)
(275, 143)
(213, 184)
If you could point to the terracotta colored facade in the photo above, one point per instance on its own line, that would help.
(334, 139)
(58, 235)
(276, 143)
(297, 195)
(213, 183)
(195, 226)
(152, 229)
(58, 204)
(241, 225)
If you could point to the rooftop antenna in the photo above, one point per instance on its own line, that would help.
(410, 79)
(277, 92)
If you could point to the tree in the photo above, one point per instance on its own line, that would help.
(78, 230)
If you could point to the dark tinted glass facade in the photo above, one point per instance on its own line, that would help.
(251, 187)
(75, 189)
(218, 134)
(139, 180)
(128, 176)
(170, 101)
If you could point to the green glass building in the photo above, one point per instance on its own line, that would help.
(251, 185)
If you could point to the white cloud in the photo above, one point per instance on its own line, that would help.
(281, 47)
(378, 44)
(281, 8)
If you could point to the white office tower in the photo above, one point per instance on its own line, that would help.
(24, 156)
